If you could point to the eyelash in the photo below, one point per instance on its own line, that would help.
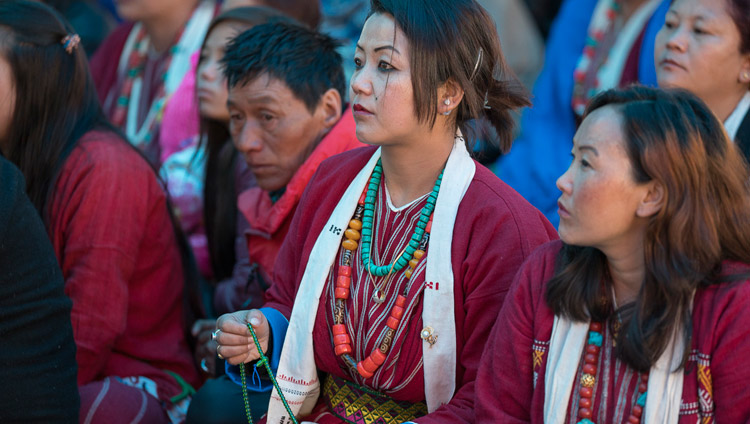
(382, 65)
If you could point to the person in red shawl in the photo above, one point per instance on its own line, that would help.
(640, 313)
(124, 263)
(400, 254)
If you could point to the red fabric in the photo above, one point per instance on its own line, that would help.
(113, 238)
(630, 69)
(104, 62)
(715, 384)
(109, 401)
(495, 231)
(269, 222)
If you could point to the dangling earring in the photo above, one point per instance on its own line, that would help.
(447, 102)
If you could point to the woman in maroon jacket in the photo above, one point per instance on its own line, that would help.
(107, 217)
(641, 313)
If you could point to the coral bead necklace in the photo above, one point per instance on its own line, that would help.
(362, 220)
(588, 380)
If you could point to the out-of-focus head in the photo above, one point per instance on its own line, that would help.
(305, 11)
(285, 83)
(144, 10)
(413, 56)
(47, 96)
(211, 85)
(658, 162)
(704, 47)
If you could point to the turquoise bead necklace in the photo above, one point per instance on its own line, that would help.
(367, 224)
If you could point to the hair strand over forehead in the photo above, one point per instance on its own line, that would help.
(446, 37)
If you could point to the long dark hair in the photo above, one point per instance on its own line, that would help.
(672, 138)
(222, 160)
(457, 39)
(56, 102)
(55, 105)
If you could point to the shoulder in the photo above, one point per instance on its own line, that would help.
(108, 158)
(717, 300)
(339, 170)
(491, 203)
(114, 42)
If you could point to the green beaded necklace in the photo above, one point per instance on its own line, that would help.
(263, 360)
(367, 223)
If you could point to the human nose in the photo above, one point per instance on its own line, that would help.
(564, 183)
(676, 38)
(361, 83)
(247, 138)
(208, 70)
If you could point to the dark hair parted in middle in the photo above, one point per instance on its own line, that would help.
(457, 40)
(305, 60)
(672, 138)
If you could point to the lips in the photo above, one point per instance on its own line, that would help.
(561, 210)
(360, 110)
(671, 62)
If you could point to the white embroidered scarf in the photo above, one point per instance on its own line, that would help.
(297, 372)
(566, 346)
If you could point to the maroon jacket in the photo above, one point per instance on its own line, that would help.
(113, 238)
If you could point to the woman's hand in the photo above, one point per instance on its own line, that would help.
(205, 346)
(235, 343)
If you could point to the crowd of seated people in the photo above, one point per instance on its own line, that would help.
(280, 211)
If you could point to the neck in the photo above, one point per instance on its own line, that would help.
(162, 30)
(410, 169)
(627, 268)
(724, 105)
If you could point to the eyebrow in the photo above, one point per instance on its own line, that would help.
(377, 49)
(587, 147)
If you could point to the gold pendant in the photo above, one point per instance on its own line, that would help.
(428, 335)
(378, 296)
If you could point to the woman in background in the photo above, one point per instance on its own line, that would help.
(704, 47)
(124, 266)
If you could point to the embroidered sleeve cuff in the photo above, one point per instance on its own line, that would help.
(278, 324)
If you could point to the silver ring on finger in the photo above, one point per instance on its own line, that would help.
(204, 366)
(215, 334)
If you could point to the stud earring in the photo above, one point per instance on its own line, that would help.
(447, 102)
(746, 77)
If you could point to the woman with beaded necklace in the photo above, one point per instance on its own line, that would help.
(640, 314)
(400, 253)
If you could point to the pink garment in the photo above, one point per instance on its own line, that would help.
(181, 114)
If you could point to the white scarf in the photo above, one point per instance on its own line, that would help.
(664, 394)
(734, 121)
(190, 41)
(297, 372)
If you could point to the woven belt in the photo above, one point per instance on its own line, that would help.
(360, 405)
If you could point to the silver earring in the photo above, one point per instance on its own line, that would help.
(447, 102)
(447, 112)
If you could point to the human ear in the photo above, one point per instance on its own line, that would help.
(329, 108)
(652, 202)
(744, 77)
(450, 95)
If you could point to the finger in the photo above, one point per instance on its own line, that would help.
(202, 325)
(236, 323)
(204, 337)
(226, 339)
(246, 351)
